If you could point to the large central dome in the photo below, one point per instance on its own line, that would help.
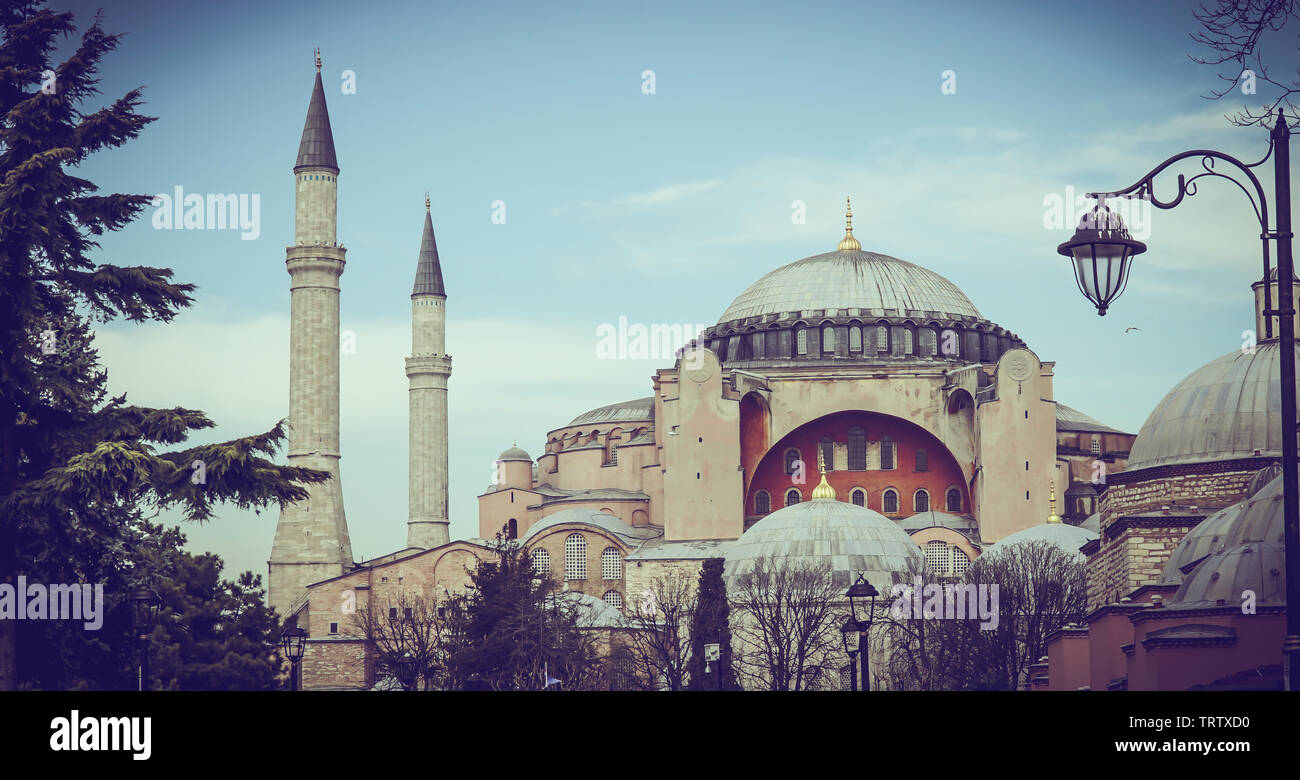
(851, 279)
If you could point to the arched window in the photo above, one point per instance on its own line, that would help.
(828, 454)
(1096, 444)
(792, 497)
(512, 529)
(611, 447)
(801, 341)
(614, 599)
(909, 342)
(756, 345)
(960, 562)
(792, 460)
(611, 564)
(936, 556)
(886, 454)
(889, 502)
(921, 501)
(950, 342)
(882, 339)
(828, 338)
(859, 497)
(954, 500)
(929, 346)
(855, 338)
(857, 449)
(922, 462)
(541, 562)
(762, 502)
(575, 557)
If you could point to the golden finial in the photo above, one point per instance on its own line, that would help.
(318, 59)
(849, 243)
(823, 490)
(1053, 517)
(426, 208)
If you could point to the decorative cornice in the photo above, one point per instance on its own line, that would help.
(1232, 465)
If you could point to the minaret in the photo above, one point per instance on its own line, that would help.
(428, 369)
(311, 539)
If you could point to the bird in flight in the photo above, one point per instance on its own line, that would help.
(1126, 330)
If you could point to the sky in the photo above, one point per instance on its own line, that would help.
(659, 205)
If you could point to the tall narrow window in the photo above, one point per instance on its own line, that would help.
(860, 497)
(857, 449)
(792, 460)
(929, 344)
(762, 502)
(936, 557)
(1096, 444)
(801, 341)
(889, 502)
(611, 564)
(512, 529)
(954, 500)
(855, 338)
(541, 562)
(921, 501)
(791, 497)
(909, 342)
(575, 557)
(828, 454)
(922, 461)
(828, 338)
(756, 345)
(886, 455)
(882, 339)
(960, 562)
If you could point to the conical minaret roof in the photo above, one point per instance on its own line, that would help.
(317, 145)
(428, 273)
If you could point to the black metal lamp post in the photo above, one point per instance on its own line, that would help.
(293, 641)
(1103, 252)
(406, 671)
(849, 631)
(144, 614)
(862, 605)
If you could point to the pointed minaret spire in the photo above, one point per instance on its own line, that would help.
(849, 243)
(428, 272)
(317, 146)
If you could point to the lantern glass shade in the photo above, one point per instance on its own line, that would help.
(406, 667)
(293, 641)
(1103, 252)
(849, 631)
(144, 609)
(862, 601)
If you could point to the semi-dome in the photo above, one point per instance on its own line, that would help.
(1065, 536)
(1222, 578)
(853, 540)
(851, 279)
(1229, 408)
(639, 410)
(1255, 519)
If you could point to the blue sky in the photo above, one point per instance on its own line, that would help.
(660, 208)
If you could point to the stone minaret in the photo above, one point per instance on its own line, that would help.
(311, 539)
(428, 369)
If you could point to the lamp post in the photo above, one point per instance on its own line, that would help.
(144, 614)
(862, 605)
(1103, 252)
(406, 671)
(293, 641)
(849, 631)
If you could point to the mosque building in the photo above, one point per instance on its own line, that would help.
(937, 429)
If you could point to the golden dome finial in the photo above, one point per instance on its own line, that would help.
(849, 243)
(318, 59)
(823, 490)
(1053, 517)
(426, 200)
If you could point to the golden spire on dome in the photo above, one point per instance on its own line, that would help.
(824, 490)
(1053, 517)
(318, 59)
(849, 243)
(426, 208)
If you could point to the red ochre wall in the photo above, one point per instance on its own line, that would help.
(943, 470)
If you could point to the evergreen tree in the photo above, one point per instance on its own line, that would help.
(710, 625)
(76, 467)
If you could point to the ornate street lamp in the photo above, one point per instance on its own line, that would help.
(406, 671)
(862, 606)
(293, 641)
(144, 615)
(849, 631)
(1103, 251)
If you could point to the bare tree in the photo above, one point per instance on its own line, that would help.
(656, 645)
(784, 618)
(407, 625)
(1237, 33)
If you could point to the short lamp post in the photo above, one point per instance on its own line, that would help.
(1102, 252)
(406, 671)
(293, 641)
(144, 615)
(862, 606)
(713, 660)
(850, 633)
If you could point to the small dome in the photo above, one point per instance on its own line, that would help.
(1255, 519)
(1227, 409)
(922, 520)
(1065, 536)
(1093, 523)
(640, 410)
(1224, 576)
(514, 453)
(853, 540)
(851, 279)
(1262, 477)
